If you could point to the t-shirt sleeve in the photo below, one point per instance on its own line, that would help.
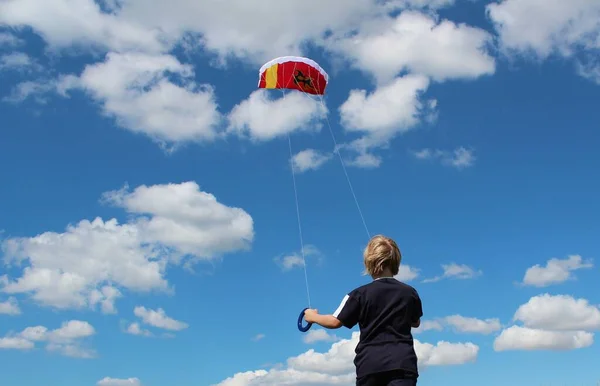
(349, 310)
(418, 308)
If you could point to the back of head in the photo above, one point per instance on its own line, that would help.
(382, 256)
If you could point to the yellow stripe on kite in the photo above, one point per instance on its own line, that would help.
(271, 76)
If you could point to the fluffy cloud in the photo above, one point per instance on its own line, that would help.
(407, 273)
(523, 338)
(558, 322)
(67, 340)
(119, 382)
(294, 260)
(382, 114)
(15, 343)
(238, 28)
(135, 329)
(455, 271)
(546, 27)
(83, 266)
(10, 307)
(9, 40)
(589, 70)
(319, 335)
(418, 43)
(461, 324)
(159, 319)
(152, 94)
(570, 29)
(458, 158)
(137, 89)
(18, 61)
(184, 218)
(243, 29)
(81, 23)
(335, 367)
(560, 312)
(309, 159)
(428, 325)
(473, 325)
(262, 118)
(556, 271)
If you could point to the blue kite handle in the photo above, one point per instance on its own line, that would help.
(300, 319)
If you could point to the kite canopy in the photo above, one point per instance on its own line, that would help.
(294, 73)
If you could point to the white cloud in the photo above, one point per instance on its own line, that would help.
(85, 265)
(461, 324)
(428, 325)
(446, 353)
(244, 30)
(9, 40)
(407, 273)
(37, 90)
(15, 343)
(67, 23)
(309, 159)
(66, 269)
(473, 325)
(135, 88)
(556, 271)
(262, 118)
(135, 329)
(558, 322)
(335, 367)
(541, 28)
(319, 335)
(67, 340)
(545, 27)
(420, 44)
(523, 338)
(258, 337)
(18, 61)
(589, 70)
(295, 260)
(236, 29)
(560, 312)
(455, 271)
(381, 115)
(186, 219)
(119, 382)
(159, 319)
(10, 307)
(138, 90)
(458, 158)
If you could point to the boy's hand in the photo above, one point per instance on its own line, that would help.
(310, 315)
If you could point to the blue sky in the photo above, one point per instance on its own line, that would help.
(147, 214)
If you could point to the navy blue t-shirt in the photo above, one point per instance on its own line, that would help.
(384, 310)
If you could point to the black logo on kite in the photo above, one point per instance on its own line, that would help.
(303, 81)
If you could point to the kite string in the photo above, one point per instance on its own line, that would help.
(298, 213)
(337, 150)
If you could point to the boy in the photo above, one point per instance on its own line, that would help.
(385, 310)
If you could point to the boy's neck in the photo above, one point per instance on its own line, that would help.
(387, 273)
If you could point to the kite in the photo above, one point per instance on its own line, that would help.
(293, 73)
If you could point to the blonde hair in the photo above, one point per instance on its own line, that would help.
(381, 252)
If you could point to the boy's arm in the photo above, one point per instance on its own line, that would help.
(326, 321)
(346, 314)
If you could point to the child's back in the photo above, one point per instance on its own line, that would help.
(385, 311)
